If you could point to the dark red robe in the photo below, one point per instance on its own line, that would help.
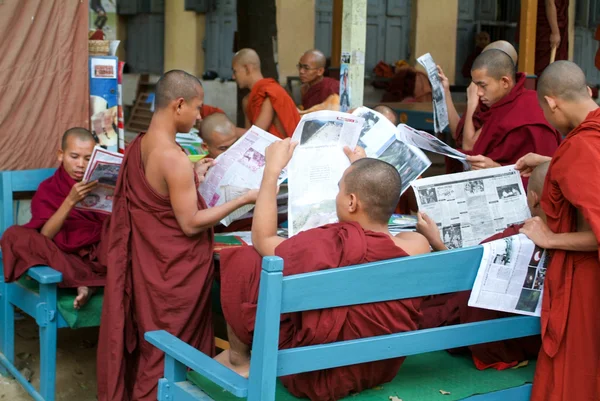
(319, 92)
(282, 103)
(543, 31)
(207, 110)
(327, 247)
(158, 278)
(72, 251)
(510, 129)
(568, 366)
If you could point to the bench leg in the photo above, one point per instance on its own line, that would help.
(47, 319)
(7, 327)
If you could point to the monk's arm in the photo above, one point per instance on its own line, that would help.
(247, 123)
(79, 191)
(266, 116)
(552, 16)
(579, 241)
(453, 116)
(469, 133)
(264, 222)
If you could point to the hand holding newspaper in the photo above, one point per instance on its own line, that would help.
(440, 110)
(104, 167)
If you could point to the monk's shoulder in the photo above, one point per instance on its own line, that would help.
(412, 242)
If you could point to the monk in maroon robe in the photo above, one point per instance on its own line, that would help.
(160, 265)
(552, 31)
(364, 207)
(59, 235)
(569, 363)
(316, 88)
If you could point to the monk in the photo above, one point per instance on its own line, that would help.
(218, 133)
(569, 361)
(160, 268)
(509, 123)
(268, 106)
(387, 112)
(208, 110)
(59, 235)
(364, 207)
(316, 88)
(552, 32)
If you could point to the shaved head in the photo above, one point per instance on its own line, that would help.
(377, 186)
(216, 123)
(537, 178)
(247, 57)
(316, 56)
(176, 84)
(496, 63)
(387, 113)
(564, 80)
(77, 132)
(504, 46)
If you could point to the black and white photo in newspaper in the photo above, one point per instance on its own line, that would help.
(440, 111)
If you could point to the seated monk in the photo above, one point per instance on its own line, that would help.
(59, 235)
(407, 85)
(268, 106)
(318, 92)
(450, 309)
(218, 133)
(160, 269)
(514, 123)
(364, 207)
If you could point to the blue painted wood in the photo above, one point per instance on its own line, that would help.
(45, 275)
(14, 372)
(27, 300)
(201, 363)
(387, 280)
(187, 391)
(29, 180)
(6, 197)
(266, 333)
(7, 326)
(521, 393)
(48, 333)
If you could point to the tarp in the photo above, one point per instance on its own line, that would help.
(43, 78)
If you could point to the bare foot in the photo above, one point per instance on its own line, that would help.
(235, 362)
(83, 296)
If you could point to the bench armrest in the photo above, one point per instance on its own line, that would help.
(45, 275)
(199, 362)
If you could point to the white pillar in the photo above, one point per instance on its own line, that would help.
(352, 65)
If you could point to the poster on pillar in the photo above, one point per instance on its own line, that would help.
(344, 87)
(103, 16)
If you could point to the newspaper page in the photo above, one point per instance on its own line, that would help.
(379, 139)
(440, 111)
(238, 170)
(511, 276)
(103, 167)
(317, 166)
(472, 206)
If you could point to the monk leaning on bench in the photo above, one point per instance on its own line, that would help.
(59, 235)
(364, 207)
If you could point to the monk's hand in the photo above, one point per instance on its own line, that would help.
(356, 154)
(537, 231)
(481, 162)
(201, 167)
(79, 191)
(472, 97)
(427, 228)
(279, 154)
(526, 164)
(443, 79)
(555, 40)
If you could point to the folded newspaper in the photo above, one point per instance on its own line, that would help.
(379, 139)
(317, 166)
(237, 171)
(472, 206)
(440, 111)
(103, 167)
(511, 276)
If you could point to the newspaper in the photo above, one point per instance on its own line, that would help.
(472, 206)
(379, 139)
(103, 167)
(511, 276)
(317, 166)
(440, 111)
(238, 170)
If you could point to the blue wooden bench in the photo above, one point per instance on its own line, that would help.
(431, 274)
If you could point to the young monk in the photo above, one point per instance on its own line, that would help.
(316, 89)
(569, 362)
(160, 268)
(59, 235)
(364, 207)
(218, 133)
(387, 113)
(268, 106)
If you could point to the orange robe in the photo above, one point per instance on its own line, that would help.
(207, 110)
(568, 365)
(282, 103)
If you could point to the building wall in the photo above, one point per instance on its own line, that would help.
(184, 33)
(295, 33)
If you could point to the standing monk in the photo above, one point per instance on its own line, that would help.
(160, 267)
(569, 363)
(552, 32)
(316, 88)
(268, 106)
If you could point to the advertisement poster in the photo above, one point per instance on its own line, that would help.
(103, 15)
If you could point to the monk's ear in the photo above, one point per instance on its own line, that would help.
(179, 104)
(551, 103)
(352, 203)
(589, 91)
(60, 155)
(506, 81)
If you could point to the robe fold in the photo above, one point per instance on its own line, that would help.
(568, 365)
(207, 110)
(157, 279)
(72, 251)
(282, 103)
(323, 248)
(542, 35)
(510, 128)
(319, 92)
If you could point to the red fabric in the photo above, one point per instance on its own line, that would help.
(597, 58)
(158, 278)
(407, 202)
(408, 83)
(543, 31)
(510, 129)
(282, 104)
(319, 92)
(322, 248)
(568, 366)
(207, 110)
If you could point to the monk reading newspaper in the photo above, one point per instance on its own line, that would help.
(59, 235)
(364, 207)
(268, 106)
(569, 363)
(160, 265)
(218, 133)
(317, 91)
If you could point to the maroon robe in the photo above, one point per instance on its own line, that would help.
(568, 365)
(327, 247)
(319, 92)
(72, 251)
(542, 35)
(158, 278)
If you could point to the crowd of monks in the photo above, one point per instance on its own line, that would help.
(154, 254)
